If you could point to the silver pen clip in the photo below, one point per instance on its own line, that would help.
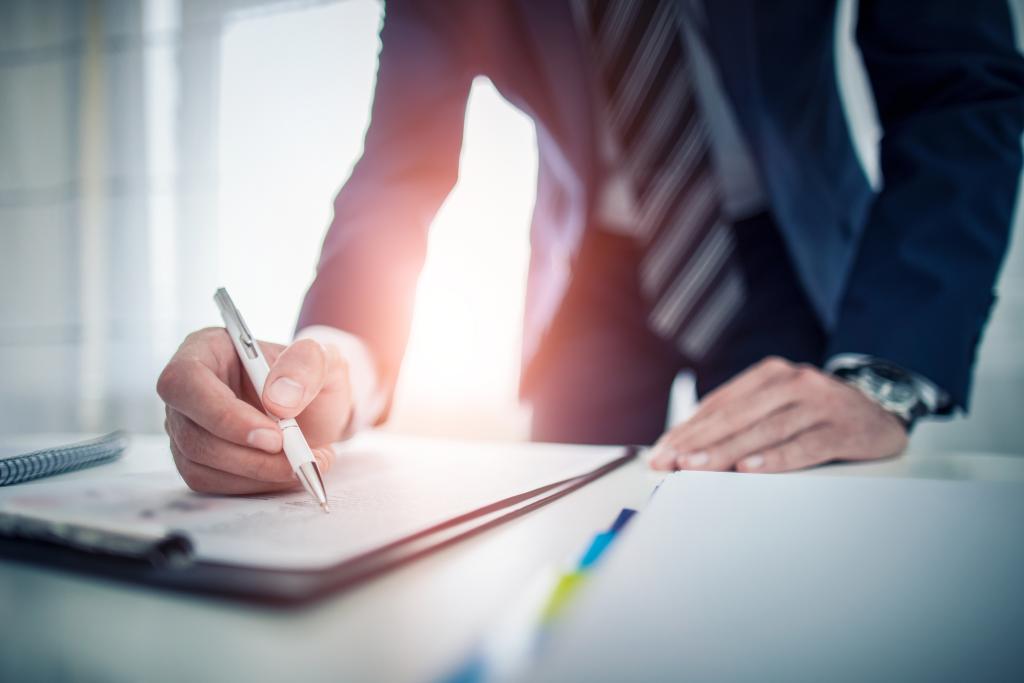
(229, 312)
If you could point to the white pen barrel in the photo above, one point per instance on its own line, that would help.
(258, 370)
(295, 446)
(299, 455)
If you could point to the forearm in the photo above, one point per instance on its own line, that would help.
(950, 99)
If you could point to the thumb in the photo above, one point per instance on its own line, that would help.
(295, 378)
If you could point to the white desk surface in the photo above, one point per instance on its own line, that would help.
(413, 624)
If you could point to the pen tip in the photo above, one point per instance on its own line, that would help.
(325, 508)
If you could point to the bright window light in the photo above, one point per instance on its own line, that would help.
(296, 89)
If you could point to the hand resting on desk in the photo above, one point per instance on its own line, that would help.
(221, 440)
(778, 416)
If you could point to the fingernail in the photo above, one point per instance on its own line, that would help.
(753, 462)
(697, 460)
(285, 392)
(264, 439)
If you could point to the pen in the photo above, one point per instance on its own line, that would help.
(255, 363)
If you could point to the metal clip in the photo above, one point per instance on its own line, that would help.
(228, 310)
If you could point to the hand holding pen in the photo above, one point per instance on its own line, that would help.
(221, 439)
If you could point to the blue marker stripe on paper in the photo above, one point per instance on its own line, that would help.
(602, 540)
(624, 516)
(597, 547)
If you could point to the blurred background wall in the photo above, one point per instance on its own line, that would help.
(152, 150)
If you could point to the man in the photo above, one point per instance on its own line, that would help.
(699, 207)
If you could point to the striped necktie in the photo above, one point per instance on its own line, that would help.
(688, 271)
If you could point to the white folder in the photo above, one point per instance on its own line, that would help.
(810, 578)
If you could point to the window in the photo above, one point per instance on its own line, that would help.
(295, 93)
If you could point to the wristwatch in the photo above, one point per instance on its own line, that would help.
(894, 389)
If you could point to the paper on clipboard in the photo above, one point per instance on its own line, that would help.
(378, 495)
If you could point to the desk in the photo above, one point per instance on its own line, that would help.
(412, 624)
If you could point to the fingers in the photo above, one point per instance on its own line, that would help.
(702, 432)
(204, 479)
(765, 372)
(775, 429)
(297, 376)
(733, 407)
(194, 383)
(223, 443)
(202, 447)
(806, 450)
(209, 464)
(313, 380)
(788, 417)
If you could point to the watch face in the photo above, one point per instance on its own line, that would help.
(901, 393)
(893, 390)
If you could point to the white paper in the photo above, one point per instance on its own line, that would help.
(380, 490)
(742, 577)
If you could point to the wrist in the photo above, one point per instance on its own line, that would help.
(895, 390)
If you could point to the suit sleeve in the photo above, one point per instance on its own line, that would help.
(375, 247)
(948, 82)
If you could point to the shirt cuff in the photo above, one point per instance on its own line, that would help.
(934, 398)
(368, 399)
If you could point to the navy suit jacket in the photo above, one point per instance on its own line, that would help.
(905, 274)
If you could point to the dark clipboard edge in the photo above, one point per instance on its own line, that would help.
(280, 588)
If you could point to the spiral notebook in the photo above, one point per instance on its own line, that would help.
(22, 461)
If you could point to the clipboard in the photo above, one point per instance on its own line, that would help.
(290, 588)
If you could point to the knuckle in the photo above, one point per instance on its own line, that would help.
(226, 420)
(807, 376)
(775, 363)
(175, 378)
(205, 338)
(168, 380)
(198, 336)
(192, 442)
(208, 334)
(830, 403)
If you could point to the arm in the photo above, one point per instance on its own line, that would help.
(375, 247)
(949, 87)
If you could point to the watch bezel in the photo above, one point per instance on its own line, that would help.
(876, 381)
